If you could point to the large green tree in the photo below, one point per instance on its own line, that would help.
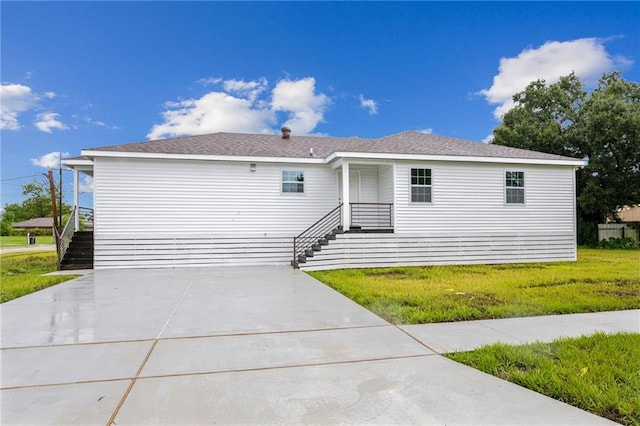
(609, 132)
(544, 118)
(36, 204)
(602, 126)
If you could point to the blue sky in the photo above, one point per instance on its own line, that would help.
(84, 74)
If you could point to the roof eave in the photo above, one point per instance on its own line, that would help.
(237, 158)
(77, 163)
(330, 159)
(454, 158)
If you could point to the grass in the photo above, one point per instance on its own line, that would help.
(599, 373)
(21, 241)
(20, 273)
(601, 280)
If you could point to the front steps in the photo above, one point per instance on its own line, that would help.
(322, 242)
(79, 254)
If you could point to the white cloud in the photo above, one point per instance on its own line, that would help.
(243, 107)
(299, 100)
(427, 131)
(208, 81)
(369, 104)
(47, 121)
(98, 123)
(14, 99)
(213, 112)
(587, 57)
(248, 89)
(86, 184)
(488, 139)
(50, 160)
(49, 95)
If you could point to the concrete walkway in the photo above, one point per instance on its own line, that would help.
(258, 345)
(35, 247)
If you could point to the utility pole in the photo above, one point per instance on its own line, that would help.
(56, 228)
(60, 187)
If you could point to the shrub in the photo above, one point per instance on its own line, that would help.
(619, 243)
(6, 229)
(38, 232)
(587, 233)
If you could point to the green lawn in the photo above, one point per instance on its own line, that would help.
(599, 373)
(21, 241)
(601, 280)
(20, 273)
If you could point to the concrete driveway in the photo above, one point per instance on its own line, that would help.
(254, 345)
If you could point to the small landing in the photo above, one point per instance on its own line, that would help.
(369, 231)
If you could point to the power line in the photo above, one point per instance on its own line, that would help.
(21, 177)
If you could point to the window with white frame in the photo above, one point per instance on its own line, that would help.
(292, 181)
(420, 185)
(514, 187)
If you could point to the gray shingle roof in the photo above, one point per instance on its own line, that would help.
(263, 145)
(38, 222)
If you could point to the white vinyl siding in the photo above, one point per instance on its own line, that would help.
(169, 213)
(205, 197)
(201, 212)
(469, 197)
(368, 177)
(387, 250)
(468, 221)
(385, 183)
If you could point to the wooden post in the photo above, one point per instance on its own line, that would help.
(54, 209)
(346, 202)
(60, 187)
(76, 202)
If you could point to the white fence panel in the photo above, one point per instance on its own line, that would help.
(617, 230)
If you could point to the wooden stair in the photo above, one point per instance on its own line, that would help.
(79, 254)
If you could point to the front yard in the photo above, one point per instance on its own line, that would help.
(601, 280)
(21, 273)
(21, 241)
(599, 373)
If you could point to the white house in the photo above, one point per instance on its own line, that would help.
(411, 199)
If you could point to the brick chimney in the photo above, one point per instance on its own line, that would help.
(286, 132)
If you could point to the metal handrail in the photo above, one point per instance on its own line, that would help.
(64, 239)
(310, 236)
(373, 216)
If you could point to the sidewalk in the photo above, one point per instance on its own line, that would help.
(469, 335)
(35, 247)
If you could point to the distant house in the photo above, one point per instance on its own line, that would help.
(240, 199)
(42, 223)
(628, 225)
(629, 214)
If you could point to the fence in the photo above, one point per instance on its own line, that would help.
(617, 230)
